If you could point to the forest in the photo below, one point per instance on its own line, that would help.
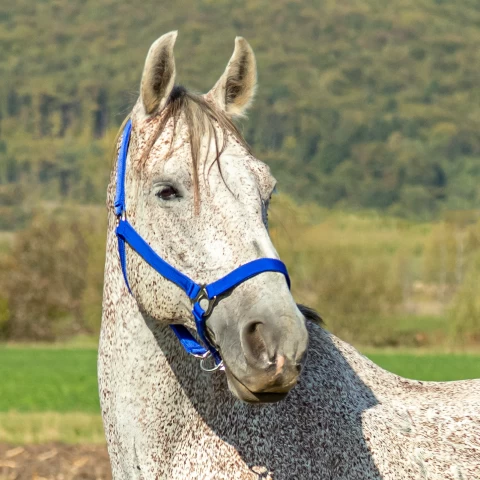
(367, 112)
(361, 104)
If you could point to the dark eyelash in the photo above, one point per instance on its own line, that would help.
(167, 192)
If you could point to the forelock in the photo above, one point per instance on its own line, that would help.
(201, 117)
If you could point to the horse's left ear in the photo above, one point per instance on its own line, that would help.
(235, 89)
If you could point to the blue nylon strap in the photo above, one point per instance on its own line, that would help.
(121, 170)
(128, 234)
(200, 324)
(188, 341)
(243, 273)
(123, 260)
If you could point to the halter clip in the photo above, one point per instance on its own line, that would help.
(203, 295)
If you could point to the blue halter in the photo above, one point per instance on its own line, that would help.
(195, 292)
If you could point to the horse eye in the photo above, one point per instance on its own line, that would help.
(167, 192)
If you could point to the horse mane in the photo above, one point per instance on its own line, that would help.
(310, 314)
(201, 117)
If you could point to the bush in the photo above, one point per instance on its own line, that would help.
(347, 280)
(43, 280)
(353, 296)
(4, 315)
(465, 308)
(93, 293)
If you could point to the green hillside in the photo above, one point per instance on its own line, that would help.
(361, 104)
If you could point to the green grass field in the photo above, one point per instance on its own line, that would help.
(430, 366)
(39, 380)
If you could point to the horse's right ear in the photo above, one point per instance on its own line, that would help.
(158, 74)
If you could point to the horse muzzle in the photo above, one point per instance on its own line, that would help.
(269, 386)
(271, 363)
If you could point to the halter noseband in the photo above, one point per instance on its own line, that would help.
(195, 292)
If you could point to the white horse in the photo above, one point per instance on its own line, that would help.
(198, 197)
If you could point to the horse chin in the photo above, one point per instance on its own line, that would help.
(245, 395)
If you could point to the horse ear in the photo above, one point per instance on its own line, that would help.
(158, 74)
(235, 89)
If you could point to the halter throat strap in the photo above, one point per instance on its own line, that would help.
(126, 234)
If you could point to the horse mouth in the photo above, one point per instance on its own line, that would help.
(246, 395)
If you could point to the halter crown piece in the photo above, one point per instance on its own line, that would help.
(195, 292)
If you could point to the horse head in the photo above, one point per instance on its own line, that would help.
(196, 194)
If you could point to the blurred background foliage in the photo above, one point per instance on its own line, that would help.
(376, 280)
(368, 113)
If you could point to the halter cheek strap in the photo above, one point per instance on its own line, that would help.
(126, 234)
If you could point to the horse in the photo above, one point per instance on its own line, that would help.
(287, 399)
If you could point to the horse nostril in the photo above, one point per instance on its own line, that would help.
(254, 345)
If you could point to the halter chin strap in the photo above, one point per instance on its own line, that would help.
(195, 292)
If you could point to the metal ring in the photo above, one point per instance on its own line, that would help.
(218, 366)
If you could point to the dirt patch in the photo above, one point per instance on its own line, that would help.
(54, 461)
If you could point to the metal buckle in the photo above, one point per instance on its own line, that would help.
(122, 216)
(217, 366)
(203, 295)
